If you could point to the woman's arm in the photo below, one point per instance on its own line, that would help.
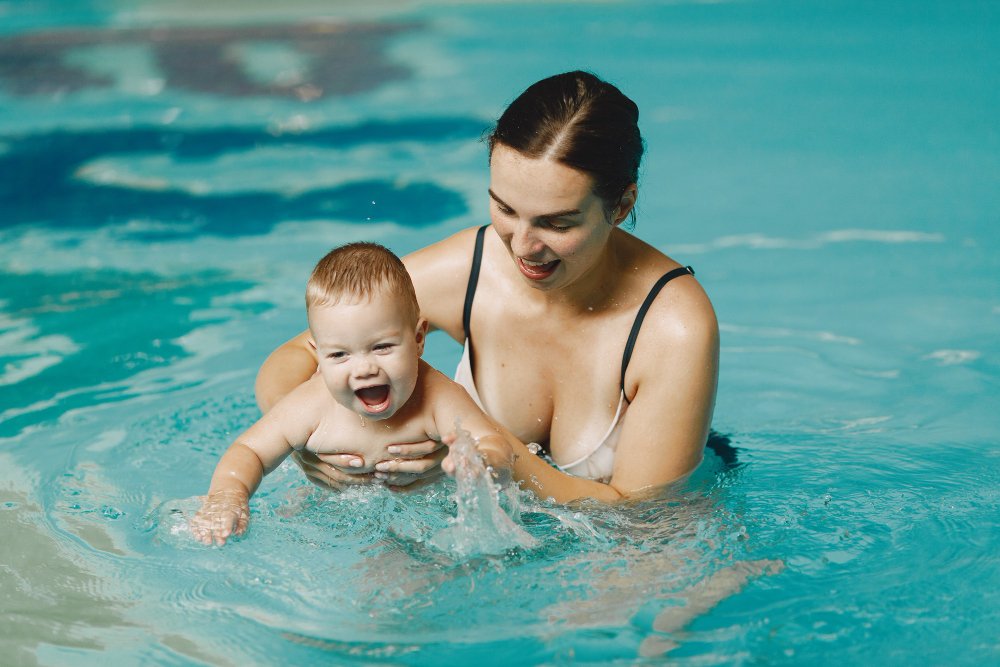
(672, 381)
(287, 367)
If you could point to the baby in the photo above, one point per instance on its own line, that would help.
(372, 389)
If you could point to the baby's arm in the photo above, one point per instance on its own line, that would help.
(256, 452)
(492, 439)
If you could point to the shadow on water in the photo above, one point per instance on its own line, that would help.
(41, 184)
(722, 446)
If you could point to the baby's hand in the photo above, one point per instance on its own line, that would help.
(448, 464)
(496, 453)
(223, 514)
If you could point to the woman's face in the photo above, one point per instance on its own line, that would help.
(554, 226)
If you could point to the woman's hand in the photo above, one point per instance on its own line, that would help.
(332, 471)
(413, 462)
(223, 514)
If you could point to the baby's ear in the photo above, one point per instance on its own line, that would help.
(421, 335)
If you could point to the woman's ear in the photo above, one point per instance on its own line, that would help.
(625, 204)
(421, 335)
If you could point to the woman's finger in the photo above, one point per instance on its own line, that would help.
(415, 450)
(325, 475)
(412, 466)
(408, 473)
(343, 462)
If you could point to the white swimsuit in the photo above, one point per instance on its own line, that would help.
(598, 463)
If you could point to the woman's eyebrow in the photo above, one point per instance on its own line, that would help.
(544, 216)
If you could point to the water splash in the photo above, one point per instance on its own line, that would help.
(480, 526)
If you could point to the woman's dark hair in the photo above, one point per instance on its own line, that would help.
(579, 121)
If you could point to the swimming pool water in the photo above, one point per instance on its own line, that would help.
(169, 173)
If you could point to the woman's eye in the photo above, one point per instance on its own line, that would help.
(504, 209)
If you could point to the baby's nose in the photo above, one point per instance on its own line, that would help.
(364, 367)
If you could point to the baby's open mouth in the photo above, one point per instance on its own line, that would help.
(375, 398)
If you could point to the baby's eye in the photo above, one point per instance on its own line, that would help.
(383, 347)
(336, 356)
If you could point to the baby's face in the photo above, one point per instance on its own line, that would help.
(368, 353)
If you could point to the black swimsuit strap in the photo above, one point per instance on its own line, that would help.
(637, 324)
(470, 290)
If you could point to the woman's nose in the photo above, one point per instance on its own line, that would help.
(523, 241)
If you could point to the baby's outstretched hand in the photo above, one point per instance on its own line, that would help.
(222, 515)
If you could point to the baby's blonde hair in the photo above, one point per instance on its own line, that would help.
(361, 270)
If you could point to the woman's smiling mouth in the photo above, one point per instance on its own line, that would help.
(536, 270)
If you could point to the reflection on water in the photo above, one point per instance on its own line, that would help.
(322, 59)
(48, 181)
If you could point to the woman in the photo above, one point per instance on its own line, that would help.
(578, 336)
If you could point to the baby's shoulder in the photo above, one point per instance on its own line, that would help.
(433, 384)
(306, 404)
(308, 394)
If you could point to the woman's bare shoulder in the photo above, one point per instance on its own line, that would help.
(440, 273)
(682, 309)
(439, 261)
(681, 318)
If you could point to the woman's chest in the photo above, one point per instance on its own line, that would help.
(552, 382)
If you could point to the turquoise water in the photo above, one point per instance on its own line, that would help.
(169, 173)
